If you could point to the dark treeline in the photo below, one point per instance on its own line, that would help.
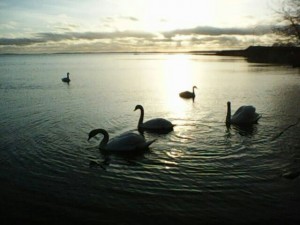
(263, 54)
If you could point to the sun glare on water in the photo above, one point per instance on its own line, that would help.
(177, 78)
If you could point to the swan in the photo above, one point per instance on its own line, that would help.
(154, 125)
(188, 94)
(245, 115)
(126, 142)
(66, 79)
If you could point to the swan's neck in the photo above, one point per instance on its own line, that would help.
(141, 116)
(194, 90)
(228, 116)
(105, 139)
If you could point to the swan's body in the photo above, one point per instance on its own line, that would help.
(188, 94)
(66, 79)
(126, 142)
(245, 115)
(154, 125)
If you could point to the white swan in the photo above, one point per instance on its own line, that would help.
(188, 94)
(126, 142)
(66, 79)
(155, 125)
(245, 115)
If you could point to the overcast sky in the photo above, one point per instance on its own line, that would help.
(44, 26)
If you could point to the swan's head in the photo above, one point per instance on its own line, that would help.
(68, 73)
(138, 107)
(93, 133)
(194, 87)
(228, 104)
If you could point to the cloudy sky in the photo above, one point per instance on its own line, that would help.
(47, 26)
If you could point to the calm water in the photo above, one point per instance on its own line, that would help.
(201, 173)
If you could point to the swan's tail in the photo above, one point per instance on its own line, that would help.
(144, 145)
(257, 117)
(148, 143)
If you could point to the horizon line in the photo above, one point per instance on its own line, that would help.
(204, 52)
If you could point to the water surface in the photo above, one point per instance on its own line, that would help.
(201, 172)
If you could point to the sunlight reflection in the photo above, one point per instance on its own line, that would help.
(178, 78)
(175, 153)
(169, 164)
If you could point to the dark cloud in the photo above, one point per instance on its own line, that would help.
(232, 40)
(215, 31)
(94, 35)
(19, 41)
(56, 37)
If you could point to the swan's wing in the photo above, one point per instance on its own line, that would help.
(244, 115)
(246, 109)
(125, 142)
(158, 124)
(186, 94)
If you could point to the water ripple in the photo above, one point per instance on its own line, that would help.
(202, 169)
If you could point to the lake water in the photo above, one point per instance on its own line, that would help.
(200, 173)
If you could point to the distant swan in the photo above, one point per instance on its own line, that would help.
(126, 142)
(245, 115)
(154, 125)
(188, 94)
(66, 79)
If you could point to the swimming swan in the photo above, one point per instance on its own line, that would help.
(154, 125)
(245, 115)
(66, 79)
(188, 94)
(126, 142)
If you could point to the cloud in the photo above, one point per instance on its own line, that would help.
(110, 19)
(67, 36)
(19, 41)
(68, 27)
(225, 40)
(131, 40)
(130, 18)
(215, 31)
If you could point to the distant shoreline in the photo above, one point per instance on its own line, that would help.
(258, 54)
(263, 54)
(129, 52)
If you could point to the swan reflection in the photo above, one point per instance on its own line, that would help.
(247, 131)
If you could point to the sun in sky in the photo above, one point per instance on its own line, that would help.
(49, 26)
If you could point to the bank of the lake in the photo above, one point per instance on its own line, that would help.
(265, 54)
